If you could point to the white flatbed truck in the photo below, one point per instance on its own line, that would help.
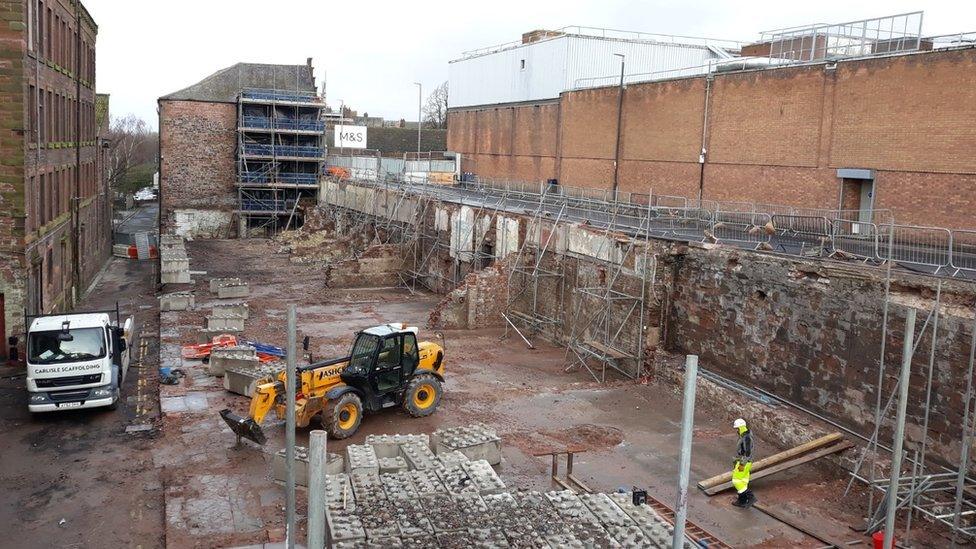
(77, 360)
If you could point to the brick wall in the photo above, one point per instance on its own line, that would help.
(53, 197)
(772, 136)
(199, 140)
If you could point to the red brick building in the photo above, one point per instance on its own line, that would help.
(897, 129)
(55, 205)
(230, 158)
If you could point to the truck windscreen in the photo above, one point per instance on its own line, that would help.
(52, 347)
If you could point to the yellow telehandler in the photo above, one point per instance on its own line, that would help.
(387, 367)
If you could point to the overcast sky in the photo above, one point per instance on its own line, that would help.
(372, 52)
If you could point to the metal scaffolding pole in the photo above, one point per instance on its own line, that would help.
(906, 367)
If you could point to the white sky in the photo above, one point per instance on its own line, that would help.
(373, 51)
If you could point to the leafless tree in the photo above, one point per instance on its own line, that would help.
(435, 111)
(131, 143)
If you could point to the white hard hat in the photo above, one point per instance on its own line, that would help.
(738, 423)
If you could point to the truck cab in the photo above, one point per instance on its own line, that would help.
(76, 360)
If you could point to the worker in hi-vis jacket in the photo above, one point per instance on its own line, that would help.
(742, 465)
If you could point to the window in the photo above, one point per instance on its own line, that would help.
(30, 27)
(48, 37)
(32, 113)
(53, 347)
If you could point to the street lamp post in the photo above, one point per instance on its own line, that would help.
(420, 97)
(620, 115)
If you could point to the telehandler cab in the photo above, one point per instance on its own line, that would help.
(387, 367)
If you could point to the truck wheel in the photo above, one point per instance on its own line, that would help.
(342, 417)
(422, 396)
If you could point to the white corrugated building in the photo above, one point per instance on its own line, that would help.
(546, 63)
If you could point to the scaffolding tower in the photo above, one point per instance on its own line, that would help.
(280, 156)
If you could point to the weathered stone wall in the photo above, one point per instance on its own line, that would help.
(808, 331)
(199, 143)
(811, 332)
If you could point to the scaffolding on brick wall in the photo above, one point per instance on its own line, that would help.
(603, 312)
(280, 155)
(426, 240)
(528, 271)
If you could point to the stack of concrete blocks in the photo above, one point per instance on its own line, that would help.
(476, 441)
(460, 502)
(176, 301)
(226, 288)
(333, 465)
(174, 263)
(232, 356)
(228, 323)
(242, 380)
(231, 308)
(392, 465)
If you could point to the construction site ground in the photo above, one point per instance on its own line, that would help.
(217, 493)
(86, 478)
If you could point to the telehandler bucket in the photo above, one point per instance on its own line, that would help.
(243, 427)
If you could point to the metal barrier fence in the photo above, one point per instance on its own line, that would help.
(838, 234)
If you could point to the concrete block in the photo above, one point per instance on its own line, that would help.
(425, 481)
(483, 476)
(231, 308)
(570, 508)
(456, 480)
(398, 485)
(177, 301)
(173, 263)
(418, 455)
(453, 457)
(368, 489)
(412, 518)
(487, 537)
(503, 508)
(361, 458)
(344, 525)
(206, 336)
(606, 511)
(392, 464)
(175, 277)
(242, 380)
(241, 356)
(171, 240)
(657, 531)
(443, 513)
(338, 492)
(388, 446)
(477, 441)
(218, 282)
(225, 323)
(335, 464)
(233, 290)
(567, 541)
(592, 535)
(538, 511)
(278, 466)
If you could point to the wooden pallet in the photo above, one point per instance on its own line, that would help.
(697, 534)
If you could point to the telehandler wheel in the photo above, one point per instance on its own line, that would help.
(342, 417)
(422, 396)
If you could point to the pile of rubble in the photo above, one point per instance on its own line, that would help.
(442, 491)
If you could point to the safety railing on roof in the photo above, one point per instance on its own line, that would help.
(839, 234)
(293, 96)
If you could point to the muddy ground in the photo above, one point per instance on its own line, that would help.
(77, 478)
(185, 483)
(221, 494)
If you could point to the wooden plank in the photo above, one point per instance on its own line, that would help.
(609, 351)
(842, 445)
(785, 520)
(773, 459)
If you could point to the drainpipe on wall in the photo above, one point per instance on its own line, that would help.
(76, 246)
(702, 156)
